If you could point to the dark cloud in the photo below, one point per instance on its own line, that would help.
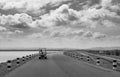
(118, 12)
(67, 14)
(115, 1)
(94, 2)
(21, 26)
(79, 4)
(74, 4)
(48, 7)
(9, 12)
(72, 18)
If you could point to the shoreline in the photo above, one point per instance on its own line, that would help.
(4, 65)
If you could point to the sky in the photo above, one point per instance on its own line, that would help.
(59, 23)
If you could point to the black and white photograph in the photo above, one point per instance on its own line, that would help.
(59, 38)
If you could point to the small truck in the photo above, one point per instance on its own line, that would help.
(42, 54)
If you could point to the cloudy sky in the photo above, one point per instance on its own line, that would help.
(59, 23)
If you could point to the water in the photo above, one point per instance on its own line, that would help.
(4, 56)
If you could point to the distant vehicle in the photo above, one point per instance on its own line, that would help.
(42, 54)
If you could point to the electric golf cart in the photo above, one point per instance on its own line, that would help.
(42, 54)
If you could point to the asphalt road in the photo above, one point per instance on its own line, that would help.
(59, 65)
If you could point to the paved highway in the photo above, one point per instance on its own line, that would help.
(59, 65)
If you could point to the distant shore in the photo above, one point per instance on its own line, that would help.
(4, 65)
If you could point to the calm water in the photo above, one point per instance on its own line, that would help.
(4, 56)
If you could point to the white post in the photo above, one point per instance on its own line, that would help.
(114, 64)
(98, 61)
(23, 58)
(88, 58)
(9, 65)
(18, 61)
(81, 57)
(27, 57)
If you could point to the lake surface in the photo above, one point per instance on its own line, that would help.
(4, 56)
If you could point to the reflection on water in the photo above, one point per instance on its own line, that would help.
(4, 56)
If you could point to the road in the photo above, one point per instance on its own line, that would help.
(59, 65)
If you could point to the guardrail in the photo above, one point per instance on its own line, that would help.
(106, 58)
(95, 59)
(10, 65)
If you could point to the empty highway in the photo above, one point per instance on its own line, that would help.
(59, 65)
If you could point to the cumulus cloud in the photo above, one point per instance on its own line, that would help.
(106, 3)
(63, 21)
(35, 35)
(95, 16)
(18, 32)
(98, 35)
(60, 32)
(94, 35)
(23, 18)
(114, 37)
(61, 16)
(88, 34)
(108, 23)
(65, 32)
(2, 29)
(33, 6)
(64, 15)
(9, 33)
(111, 4)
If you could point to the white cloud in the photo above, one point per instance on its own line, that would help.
(2, 29)
(67, 32)
(88, 34)
(108, 23)
(111, 4)
(25, 18)
(32, 6)
(63, 22)
(94, 13)
(106, 3)
(35, 35)
(67, 16)
(18, 32)
(8, 20)
(60, 32)
(94, 17)
(22, 18)
(115, 7)
(60, 24)
(61, 16)
(94, 35)
(9, 33)
(98, 35)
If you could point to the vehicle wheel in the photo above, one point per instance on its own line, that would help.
(45, 57)
(39, 57)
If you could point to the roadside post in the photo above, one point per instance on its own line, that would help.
(23, 58)
(98, 61)
(9, 65)
(81, 57)
(88, 58)
(114, 64)
(18, 61)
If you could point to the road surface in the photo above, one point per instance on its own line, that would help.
(59, 65)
